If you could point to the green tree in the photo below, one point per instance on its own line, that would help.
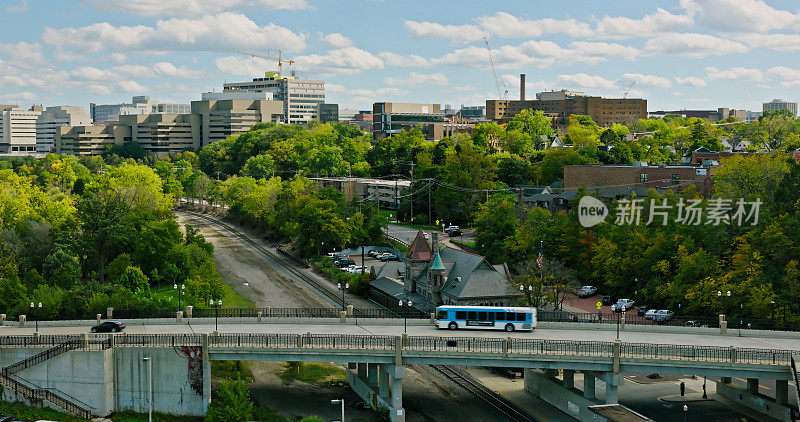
(104, 229)
(134, 279)
(750, 177)
(554, 161)
(534, 124)
(259, 167)
(232, 403)
(62, 269)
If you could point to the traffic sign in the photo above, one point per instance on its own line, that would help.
(599, 305)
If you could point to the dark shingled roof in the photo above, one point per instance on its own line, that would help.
(419, 249)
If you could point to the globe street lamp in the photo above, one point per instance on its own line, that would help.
(527, 293)
(179, 293)
(405, 314)
(343, 288)
(216, 306)
(35, 320)
(340, 401)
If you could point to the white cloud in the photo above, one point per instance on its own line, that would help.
(244, 66)
(595, 52)
(780, 42)
(399, 60)
(584, 80)
(118, 58)
(692, 45)
(419, 79)
(784, 72)
(464, 88)
(506, 25)
(791, 84)
(337, 40)
(735, 74)
(183, 8)
(342, 60)
(455, 33)
(659, 22)
(643, 81)
(156, 70)
(741, 15)
(22, 7)
(691, 81)
(19, 96)
(334, 88)
(23, 54)
(222, 32)
(130, 86)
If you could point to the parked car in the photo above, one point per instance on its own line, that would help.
(108, 327)
(356, 269)
(663, 315)
(389, 257)
(623, 305)
(641, 310)
(650, 313)
(454, 233)
(344, 263)
(587, 291)
(451, 228)
(607, 301)
(375, 252)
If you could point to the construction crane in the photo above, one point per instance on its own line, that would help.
(494, 72)
(628, 90)
(278, 59)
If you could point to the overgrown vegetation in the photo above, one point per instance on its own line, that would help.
(322, 374)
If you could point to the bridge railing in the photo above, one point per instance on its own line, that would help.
(562, 347)
(455, 344)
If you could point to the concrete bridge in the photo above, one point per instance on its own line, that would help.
(107, 373)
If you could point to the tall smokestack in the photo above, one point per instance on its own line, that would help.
(522, 87)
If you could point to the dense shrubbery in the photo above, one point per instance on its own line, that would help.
(79, 242)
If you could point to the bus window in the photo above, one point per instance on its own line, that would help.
(461, 315)
(482, 316)
(442, 315)
(491, 316)
(501, 316)
(471, 315)
(520, 317)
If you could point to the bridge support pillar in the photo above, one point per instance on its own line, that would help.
(189, 309)
(383, 383)
(372, 374)
(752, 385)
(362, 372)
(568, 379)
(206, 374)
(612, 387)
(397, 413)
(782, 392)
(588, 386)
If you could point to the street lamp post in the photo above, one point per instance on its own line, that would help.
(343, 287)
(35, 318)
(405, 314)
(685, 410)
(216, 306)
(527, 292)
(179, 293)
(340, 401)
(149, 388)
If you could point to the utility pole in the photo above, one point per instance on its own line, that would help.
(412, 192)
(429, 204)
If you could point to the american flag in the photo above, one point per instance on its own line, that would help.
(540, 257)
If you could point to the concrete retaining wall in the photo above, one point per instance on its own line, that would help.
(569, 401)
(757, 402)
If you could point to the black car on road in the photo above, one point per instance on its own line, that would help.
(608, 301)
(108, 327)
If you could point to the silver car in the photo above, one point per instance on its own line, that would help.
(623, 305)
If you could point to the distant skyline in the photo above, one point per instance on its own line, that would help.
(693, 54)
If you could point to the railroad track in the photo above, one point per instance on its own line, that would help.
(335, 298)
(486, 395)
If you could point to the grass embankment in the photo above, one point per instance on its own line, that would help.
(231, 369)
(22, 411)
(321, 374)
(231, 299)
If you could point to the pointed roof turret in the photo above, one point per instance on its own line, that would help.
(437, 263)
(419, 249)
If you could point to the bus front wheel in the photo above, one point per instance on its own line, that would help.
(509, 327)
(453, 326)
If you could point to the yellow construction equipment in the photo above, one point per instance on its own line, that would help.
(278, 59)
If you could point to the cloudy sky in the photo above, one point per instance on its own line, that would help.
(680, 53)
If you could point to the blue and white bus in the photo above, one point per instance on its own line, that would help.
(507, 318)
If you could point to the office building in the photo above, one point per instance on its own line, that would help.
(385, 193)
(18, 130)
(562, 104)
(347, 115)
(778, 104)
(392, 118)
(220, 119)
(89, 140)
(721, 113)
(299, 96)
(637, 175)
(164, 134)
(238, 95)
(328, 112)
(141, 104)
(474, 113)
(753, 116)
(52, 118)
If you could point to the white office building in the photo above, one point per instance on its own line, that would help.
(18, 131)
(778, 104)
(52, 118)
(753, 116)
(238, 95)
(141, 104)
(300, 96)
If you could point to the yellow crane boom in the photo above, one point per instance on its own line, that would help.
(278, 59)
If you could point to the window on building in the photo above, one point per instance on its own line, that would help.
(676, 178)
(643, 177)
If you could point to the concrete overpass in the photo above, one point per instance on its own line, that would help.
(106, 372)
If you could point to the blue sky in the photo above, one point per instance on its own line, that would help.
(680, 53)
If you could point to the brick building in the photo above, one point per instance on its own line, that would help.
(639, 175)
